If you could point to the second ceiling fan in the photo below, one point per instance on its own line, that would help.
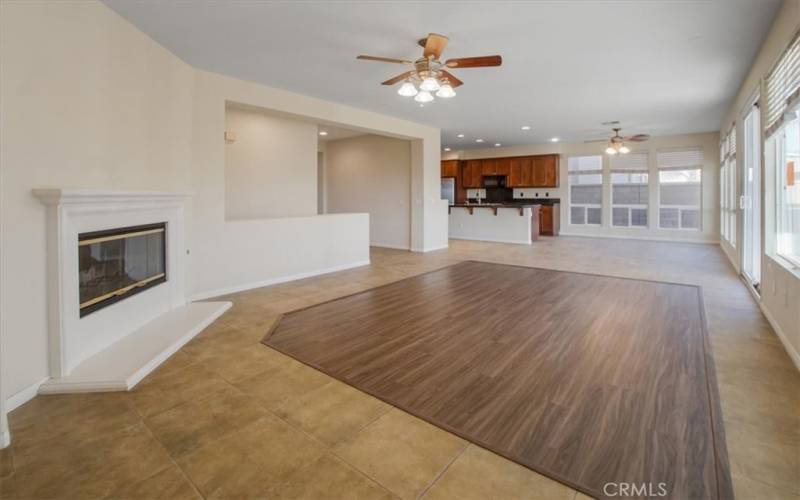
(616, 143)
(429, 74)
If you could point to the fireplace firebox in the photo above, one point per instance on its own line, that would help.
(118, 263)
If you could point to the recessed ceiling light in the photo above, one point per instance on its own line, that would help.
(554, 139)
(323, 133)
(478, 140)
(526, 127)
(497, 144)
(447, 149)
(460, 136)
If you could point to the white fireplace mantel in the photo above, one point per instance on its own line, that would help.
(114, 347)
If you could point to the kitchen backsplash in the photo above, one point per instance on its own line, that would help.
(535, 193)
(475, 193)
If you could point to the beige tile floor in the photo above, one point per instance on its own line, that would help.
(227, 417)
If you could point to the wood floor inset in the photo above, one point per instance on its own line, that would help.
(587, 379)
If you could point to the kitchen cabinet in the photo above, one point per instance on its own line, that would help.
(529, 171)
(549, 220)
(514, 172)
(526, 179)
(488, 167)
(545, 171)
(472, 174)
(540, 171)
(502, 166)
(449, 168)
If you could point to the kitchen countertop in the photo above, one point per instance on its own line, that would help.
(525, 204)
(495, 205)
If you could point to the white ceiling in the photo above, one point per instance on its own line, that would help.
(661, 67)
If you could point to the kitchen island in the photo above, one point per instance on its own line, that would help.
(504, 223)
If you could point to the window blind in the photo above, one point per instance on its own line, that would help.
(680, 159)
(585, 164)
(783, 86)
(631, 162)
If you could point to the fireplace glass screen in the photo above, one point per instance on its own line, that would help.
(118, 263)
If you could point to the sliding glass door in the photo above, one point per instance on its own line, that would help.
(750, 201)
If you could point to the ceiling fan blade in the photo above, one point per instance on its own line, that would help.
(455, 82)
(434, 45)
(637, 138)
(474, 62)
(398, 78)
(383, 59)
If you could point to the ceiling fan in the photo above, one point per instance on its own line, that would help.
(429, 74)
(616, 144)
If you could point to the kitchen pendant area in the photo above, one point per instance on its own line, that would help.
(509, 199)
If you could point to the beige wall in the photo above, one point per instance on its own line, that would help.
(780, 285)
(271, 167)
(709, 232)
(372, 174)
(88, 101)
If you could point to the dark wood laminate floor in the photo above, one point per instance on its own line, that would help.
(587, 379)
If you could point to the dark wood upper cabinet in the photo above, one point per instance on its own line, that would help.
(526, 179)
(521, 171)
(514, 172)
(488, 167)
(539, 172)
(549, 170)
(472, 174)
(449, 168)
(502, 166)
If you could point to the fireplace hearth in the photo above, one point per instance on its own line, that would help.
(118, 263)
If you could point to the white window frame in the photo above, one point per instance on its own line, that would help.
(728, 199)
(681, 208)
(584, 206)
(628, 206)
(780, 166)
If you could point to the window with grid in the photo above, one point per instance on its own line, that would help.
(788, 192)
(585, 189)
(783, 140)
(679, 188)
(629, 190)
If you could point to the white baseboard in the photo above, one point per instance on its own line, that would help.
(275, 281)
(5, 434)
(641, 238)
(23, 396)
(790, 350)
(389, 245)
(491, 240)
(429, 249)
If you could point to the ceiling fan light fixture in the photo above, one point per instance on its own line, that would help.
(611, 151)
(446, 91)
(624, 149)
(423, 96)
(429, 84)
(407, 89)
